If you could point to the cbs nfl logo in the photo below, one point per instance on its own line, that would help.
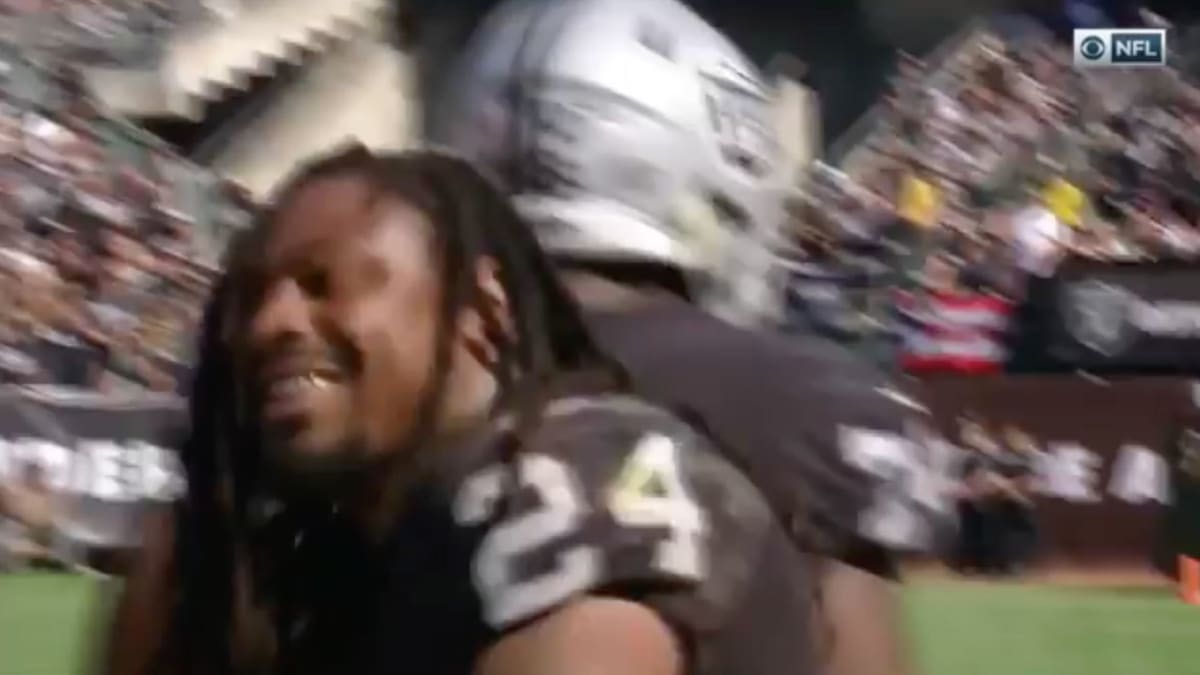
(1120, 47)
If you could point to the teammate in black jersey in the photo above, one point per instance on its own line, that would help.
(639, 142)
(407, 456)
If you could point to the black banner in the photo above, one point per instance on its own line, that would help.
(104, 456)
(90, 444)
(1111, 317)
(1101, 453)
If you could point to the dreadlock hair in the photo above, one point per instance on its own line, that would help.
(222, 620)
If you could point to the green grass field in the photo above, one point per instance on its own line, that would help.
(958, 628)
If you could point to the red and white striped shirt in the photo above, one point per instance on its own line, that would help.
(953, 332)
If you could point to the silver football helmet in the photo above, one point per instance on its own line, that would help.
(628, 130)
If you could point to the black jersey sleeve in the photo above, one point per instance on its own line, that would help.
(609, 496)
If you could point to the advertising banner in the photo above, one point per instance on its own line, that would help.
(1101, 453)
(1110, 317)
(103, 457)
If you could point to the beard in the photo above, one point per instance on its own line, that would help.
(328, 473)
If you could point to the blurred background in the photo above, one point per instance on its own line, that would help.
(1016, 239)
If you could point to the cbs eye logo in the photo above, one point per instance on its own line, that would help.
(1093, 48)
(1122, 48)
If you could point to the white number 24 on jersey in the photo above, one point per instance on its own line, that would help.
(648, 492)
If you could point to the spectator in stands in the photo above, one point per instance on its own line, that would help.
(974, 549)
(1039, 239)
(1065, 200)
(918, 209)
(998, 531)
(1014, 508)
(1173, 236)
(70, 345)
(985, 268)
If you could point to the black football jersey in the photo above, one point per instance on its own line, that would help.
(833, 446)
(609, 496)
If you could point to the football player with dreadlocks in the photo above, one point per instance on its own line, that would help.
(406, 456)
(636, 139)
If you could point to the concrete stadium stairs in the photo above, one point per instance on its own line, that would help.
(204, 59)
(363, 89)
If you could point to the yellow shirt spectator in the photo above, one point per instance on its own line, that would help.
(919, 201)
(1065, 201)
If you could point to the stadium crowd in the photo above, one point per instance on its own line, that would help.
(983, 170)
(984, 173)
(93, 31)
(105, 247)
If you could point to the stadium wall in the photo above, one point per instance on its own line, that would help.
(363, 91)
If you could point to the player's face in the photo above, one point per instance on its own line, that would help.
(339, 341)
